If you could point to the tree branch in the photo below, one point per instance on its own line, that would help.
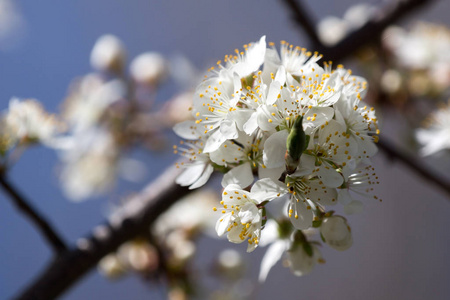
(304, 20)
(385, 15)
(414, 164)
(134, 219)
(25, 207)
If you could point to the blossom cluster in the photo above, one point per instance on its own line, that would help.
(279, 126)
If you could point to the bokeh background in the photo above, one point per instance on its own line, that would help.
(400, 246)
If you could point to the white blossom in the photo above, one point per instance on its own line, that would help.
(336, 233)
(242, 211)
(108, 54)
(28, 121)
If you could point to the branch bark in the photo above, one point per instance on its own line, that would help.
(134, 218)
(42, 225)
(414, 164)
(385, 15)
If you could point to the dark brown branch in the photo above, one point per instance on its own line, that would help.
(303, 19)
(386, 15)
(414, 164)
(25, 207)
(135, 219)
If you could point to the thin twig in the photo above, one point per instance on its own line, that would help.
(135, 219)
(414, 164)
(25, 207)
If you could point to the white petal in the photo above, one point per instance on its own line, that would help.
(272, 173)
(267, 189)
(329, 176)
(252, 124)
(228, 129)
(272, 256)
(190, 175)
(304, 216)
(222, 224)
(214, 142)
(187, 130)
(203, 178)
(241, 175)
(275, 149)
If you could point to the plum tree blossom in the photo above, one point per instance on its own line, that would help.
(279, 125)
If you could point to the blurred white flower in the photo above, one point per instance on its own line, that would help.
(331, 30)
(191, 213)
(149, 68)
(88, 99)
(300, 261)
(28, 121)
(108, 54)
(436, 136)
(336, 233)
(111, 266)
(12, 25)
(89, 164)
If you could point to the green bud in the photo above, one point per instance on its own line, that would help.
(297, 141)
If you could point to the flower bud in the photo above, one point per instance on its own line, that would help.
(149, 68)
(336, 233)
(108, 54)
(296, 143)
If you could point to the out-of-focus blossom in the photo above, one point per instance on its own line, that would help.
(230, 263)
(426, 49)
(108, 54)
(138, 255)
(149, 68)
(331, 29)
(111, 266)
(88, 100)
(391, 81)
(12, 25)
(436, 136)
(89, 164)
(336, 233)
(300, 261)
(29, 122)
(192, 213)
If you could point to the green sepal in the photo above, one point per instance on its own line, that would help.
(308, 249)
(316, 224)
(264, 217)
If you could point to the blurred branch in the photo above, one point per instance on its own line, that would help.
(385, 15)
(25, 207)
(133, 219)
(303, 19)
(414, 164)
